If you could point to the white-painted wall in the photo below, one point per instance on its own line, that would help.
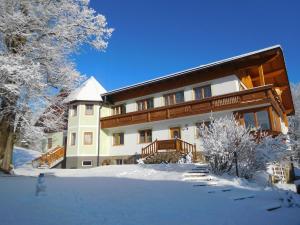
(160, 131)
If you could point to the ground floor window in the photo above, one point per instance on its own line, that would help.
(88, 138)
(118, 139)
(259, 119)
(49, 143)
(119, 161)
(73, 138)
(145, 136)
(87, 163)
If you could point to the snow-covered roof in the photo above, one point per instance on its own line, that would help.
(90, 90)
(191, 70)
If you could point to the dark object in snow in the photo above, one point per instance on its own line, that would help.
(40, 185)
(274, 208)
(243, 198)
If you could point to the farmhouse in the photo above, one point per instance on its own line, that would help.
(164, 114)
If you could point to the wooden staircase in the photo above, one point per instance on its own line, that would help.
(168, 151)
(50, 158)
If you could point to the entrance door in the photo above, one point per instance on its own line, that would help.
(175, 132)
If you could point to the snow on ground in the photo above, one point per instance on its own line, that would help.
(137, 195)
(22, 156)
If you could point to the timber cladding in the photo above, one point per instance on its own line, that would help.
(252, 97)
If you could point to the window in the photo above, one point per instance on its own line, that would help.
(73, 138)
(145, 136)
(258, 119)
(174, 98)
(145, 104)
(74, 110)
(88, 138)
(263, 120)
(249, 119)
(202, 92)
(117, 110)
(119, 161)
(49, 143)
(87, 163)
(118, 139)
(89, 110)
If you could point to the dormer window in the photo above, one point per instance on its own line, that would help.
(89, 109)
(202, 92)
(117, 110)
(145, 104)
(174, 98)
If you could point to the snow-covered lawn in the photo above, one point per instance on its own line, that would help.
(137, 194)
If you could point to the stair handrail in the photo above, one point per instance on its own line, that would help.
(51, 156)
(186, 148)
(149, 149)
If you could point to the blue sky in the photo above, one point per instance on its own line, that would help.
(157, 37)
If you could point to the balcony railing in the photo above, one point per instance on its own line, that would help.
(236, 100)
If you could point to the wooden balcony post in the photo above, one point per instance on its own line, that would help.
(261, 75)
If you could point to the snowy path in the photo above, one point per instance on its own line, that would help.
(136, 195)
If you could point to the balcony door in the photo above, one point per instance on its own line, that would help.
(175, 132)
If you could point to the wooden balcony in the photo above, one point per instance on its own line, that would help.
(256, 96)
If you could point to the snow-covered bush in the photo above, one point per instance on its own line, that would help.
(226, 141)
(187, 159)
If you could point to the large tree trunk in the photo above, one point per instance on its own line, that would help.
(7, 159)
(7, 139)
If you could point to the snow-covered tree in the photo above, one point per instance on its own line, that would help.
(226, 141)
(294, 123)
(37, 40)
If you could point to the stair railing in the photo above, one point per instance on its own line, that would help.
(177, 144)
(51, 156)
(149, 149)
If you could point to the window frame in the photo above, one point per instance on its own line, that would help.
(145, 103)
(171, 97)
(256, 120)
(74, 110)
(84, 141)
(202, 90)
(146, 140)
(114, 136)
(121, 107)
(49, 143)
(73, 139)
(86, 110)
(82, 163)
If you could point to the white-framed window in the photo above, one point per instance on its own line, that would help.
(73, 138)
(50, 142)
(74, 110)
(89, 109)
(88, 138)
(87, 163)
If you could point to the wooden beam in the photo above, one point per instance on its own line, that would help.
(270, 74)
(261, 75)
